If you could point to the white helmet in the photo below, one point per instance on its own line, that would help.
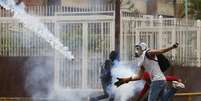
(142, 45)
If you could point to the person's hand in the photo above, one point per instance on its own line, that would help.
(175, 45)
(121, 81)
(179, 80)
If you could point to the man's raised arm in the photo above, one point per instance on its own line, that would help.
(163, 50)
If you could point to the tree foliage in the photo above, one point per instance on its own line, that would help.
(195, 9)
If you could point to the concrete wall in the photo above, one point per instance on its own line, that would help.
(13, 73)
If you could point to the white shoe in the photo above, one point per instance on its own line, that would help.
(178, 85)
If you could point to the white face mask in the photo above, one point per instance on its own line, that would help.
(138, 51)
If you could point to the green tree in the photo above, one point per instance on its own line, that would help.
(195, 9)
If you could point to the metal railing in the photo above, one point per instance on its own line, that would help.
(162, 32)
(189, 95)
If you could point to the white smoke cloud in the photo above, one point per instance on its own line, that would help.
(39, 82)
(129, 90)
(34, 24)
(39, 76)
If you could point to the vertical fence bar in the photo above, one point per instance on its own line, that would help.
(85, 55)
(126, 36)
(137, 40)
(112, 35)
(198, 42)
(173, 36)
(121, 34)
(102, 37)
(56, 61)
(184, 44)
(160, 38)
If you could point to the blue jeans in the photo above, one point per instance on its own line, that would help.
(156, 88)
(168, 94)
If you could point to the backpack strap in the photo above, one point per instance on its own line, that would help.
(149, 57)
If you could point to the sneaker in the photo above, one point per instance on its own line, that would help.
(178, 85)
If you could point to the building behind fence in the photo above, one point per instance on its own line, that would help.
(89, 34)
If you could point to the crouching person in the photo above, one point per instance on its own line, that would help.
(106, 78)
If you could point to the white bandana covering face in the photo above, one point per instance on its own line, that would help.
(143, 46)
(139, 49)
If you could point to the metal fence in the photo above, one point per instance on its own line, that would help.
(162, 32)
(89, 34)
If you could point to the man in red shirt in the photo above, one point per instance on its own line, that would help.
(176, 84)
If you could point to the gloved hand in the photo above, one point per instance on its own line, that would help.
(121, 81)
(175, 45)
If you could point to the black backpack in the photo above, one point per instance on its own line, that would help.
(163, 62)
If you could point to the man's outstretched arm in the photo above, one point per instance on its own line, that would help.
(131, 78)
(163, 50)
